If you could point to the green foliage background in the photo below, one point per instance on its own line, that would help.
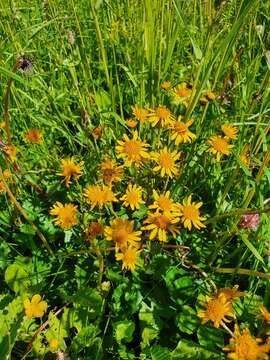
(74, 87)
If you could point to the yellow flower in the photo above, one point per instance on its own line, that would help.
(216, 310)
(34, 136)
(11, 151)
(182, 93)
(53, 344)
(160, 115)
(70, 169)
(181, 132)
(162, 202)
(230, 131)
(190, 214)
(121, 232)
(132, 150)
(133, 197)
(110, 171)
(208, 96)
(35, 307)
(66, 215)
(159, 225)
(220, 146)
(244, 155)
(166, 85)
(7, 173)
(99, 195)
(139, 113)
(2, 187)
(131, 123)
(129, 258)
(246, 347)
(166, 162)
(231, 293)
(265, 313)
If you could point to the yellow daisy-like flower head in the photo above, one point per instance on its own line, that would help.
(133, 197)
(159, 225)
(166, 162)
(110, 171)
(217, 309)
(122, 232)
(182, 93)
(207, 96)
(71, 170)
(34, 136)
(166, 85)
(160, 115)
(181, 132)
(244, 155)
(131, 123)
(35, 307)
(163, 202)
(66, 215)
(97, 195)
(219, 146)
(245, 347)
(139, 113)
(190, 214)
(132, 150)
(229, 131)
(129, 258)
(11, 151)
(231, 293)
(265, 313)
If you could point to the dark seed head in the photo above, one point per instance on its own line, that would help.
(25, 64)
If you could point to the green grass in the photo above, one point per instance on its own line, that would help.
(120, 54)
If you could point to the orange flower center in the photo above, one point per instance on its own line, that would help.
(183, 92)
(162, 222)
(220, 145)
(190, 212)
(164, 203)
(162, 112)
(133, 147)
(130, 257)
(180, 128)
(132, 197)
(166, 160)
(120, 236)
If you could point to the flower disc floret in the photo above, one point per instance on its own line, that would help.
(99, 195)
(121, 231)
(219, 146)
(132, 150)
(190, 214)
(217, 309)
(160, 116)
(66, 215)
(133, 197)
(71, 170)
(159, 225)
(166, 162)
(181, 133)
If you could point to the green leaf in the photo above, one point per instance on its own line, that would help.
(189, 350)
(160, 353)
(210, 337)
(17, 278)
(124, 331)
(187, 320)
(254, 251)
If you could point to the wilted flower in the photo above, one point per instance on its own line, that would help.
(25, 64)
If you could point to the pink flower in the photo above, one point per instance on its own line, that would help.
(249, 221)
